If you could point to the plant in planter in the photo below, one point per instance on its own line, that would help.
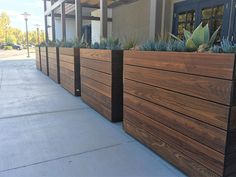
(38, 57)
(200, 39)
(69, 57)
(226, 46)
(182, 104)
(101, 78)
(53, 60)
(44, 58)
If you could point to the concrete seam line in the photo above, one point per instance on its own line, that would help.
(42, 113)
(67, 156)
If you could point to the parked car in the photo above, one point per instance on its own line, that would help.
(17, 47)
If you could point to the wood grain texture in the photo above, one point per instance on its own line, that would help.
(54, 64)
(102, 82)
(69, 62)
(201, 64)
(186, 103)
(38, 58)
(44, 60)
(167, 151)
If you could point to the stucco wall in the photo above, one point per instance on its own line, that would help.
(132, 20)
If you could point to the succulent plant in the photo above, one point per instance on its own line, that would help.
(150, 45)
(199, 40)
(42, 44)
(130, 43)
(216, 49)
(153, 45)
(227, 46)
(176, 46)
(110, 44)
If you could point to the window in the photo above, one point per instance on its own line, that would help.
(214, 17)
(186, 20)
(190, 13)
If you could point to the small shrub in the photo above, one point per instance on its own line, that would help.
(130, 43)
(152, 45)
(226, 46)
(8, 47)
(109, 44)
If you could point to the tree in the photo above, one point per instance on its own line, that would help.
(15, 35)
(4, 26)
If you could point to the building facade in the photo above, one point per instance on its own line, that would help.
(139, 19)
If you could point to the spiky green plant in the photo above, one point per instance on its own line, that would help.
(200, 39)
(176, 46)
(130, 44)
(216, 49)
(152, 45)
(110, 44)
(227, 46)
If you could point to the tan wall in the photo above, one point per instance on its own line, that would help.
(131, 20)
(134, 19)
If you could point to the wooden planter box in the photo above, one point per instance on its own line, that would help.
(38, 58)
(182, 105)
(53, 64)
(101, 81)
(44, 60)
(70, 69)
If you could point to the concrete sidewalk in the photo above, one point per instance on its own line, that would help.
(46, 132)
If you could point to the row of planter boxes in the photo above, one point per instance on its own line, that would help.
(181, 105)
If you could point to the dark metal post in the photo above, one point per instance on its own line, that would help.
(63, 22)
(78, 19)
(103, 18)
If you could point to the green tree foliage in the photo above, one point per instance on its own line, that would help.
(14, 35)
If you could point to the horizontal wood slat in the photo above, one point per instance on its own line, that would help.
(201, 132)
(100, 66)
(209, 112)
(186, 103)
(101, 79)
(100, 55)
(70, 69)
(169, 152)
(211, 89)
(44, 60)
(53, 64)
(38, 58)
(97, 76)
(198, 152)
(191, 63)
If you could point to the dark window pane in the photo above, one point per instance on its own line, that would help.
(182, 17)
(185, 21)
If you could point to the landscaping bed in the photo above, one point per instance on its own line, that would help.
(70, 69)
(44, 60)
(182, 105)
(38, 58)
(53, 64)
(101, 81)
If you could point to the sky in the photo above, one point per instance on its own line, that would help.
(15, 8)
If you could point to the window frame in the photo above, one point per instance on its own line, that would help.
(198, 6)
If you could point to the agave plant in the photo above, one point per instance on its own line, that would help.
(110, 44)
(200, 39)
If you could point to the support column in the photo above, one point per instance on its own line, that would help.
(78, 19)
(53, 26)
(46, 21)
(154, 24)
(103, 18)
(63, 22)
